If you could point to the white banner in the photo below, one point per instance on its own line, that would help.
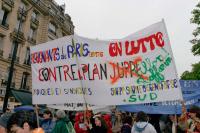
(137, 69)
(81, 107)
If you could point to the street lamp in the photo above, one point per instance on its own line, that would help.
(10, 75)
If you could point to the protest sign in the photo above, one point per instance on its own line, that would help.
(137, 69)
(191, 95)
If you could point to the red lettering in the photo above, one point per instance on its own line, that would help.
(84, 69)
(96, 71)
(134, 49)
(65, 70)
(150, 40)
(115, 49)
(33, 58)
(159, 39)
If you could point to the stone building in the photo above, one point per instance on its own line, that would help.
(42, 21)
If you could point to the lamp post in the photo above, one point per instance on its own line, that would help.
(10, 75)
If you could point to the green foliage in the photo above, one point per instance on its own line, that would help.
(194, 74)
(196, 33)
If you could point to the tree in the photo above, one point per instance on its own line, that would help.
(194, 74)
(196, 33)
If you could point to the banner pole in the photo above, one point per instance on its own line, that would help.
(37, 115)
(85, 103)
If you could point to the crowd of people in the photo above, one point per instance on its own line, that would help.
(87, 122)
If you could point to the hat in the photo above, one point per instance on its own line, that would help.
(4, 119)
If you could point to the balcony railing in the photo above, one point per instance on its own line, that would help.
(4, 83)
(34, 22)
(22, 12)
(8, 4)
(52, 32)
(18, 36)
(4, 24)
(32, 40)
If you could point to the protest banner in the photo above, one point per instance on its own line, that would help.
(137, 69)
(191, 96)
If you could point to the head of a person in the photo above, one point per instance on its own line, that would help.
(100, 122)
(47, 114)
(60, 114)
(128, 120)
(79, 117)
(22, 121)
(172, 118)
(141, 117)
(3, 122)
(194, 111)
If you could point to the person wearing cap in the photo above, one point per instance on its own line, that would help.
(3, 122)
(47, 123)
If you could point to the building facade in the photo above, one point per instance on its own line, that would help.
(41, 21)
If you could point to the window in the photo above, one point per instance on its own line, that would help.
(24, 80)
(34, 15)
(17, 26)
(52, 28)
(3, 17)
(12, 50)
(32, 33)
(13, 77)
(27, 57)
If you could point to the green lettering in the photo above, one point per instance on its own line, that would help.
(142, 99)
(132, 98)
(153, 96)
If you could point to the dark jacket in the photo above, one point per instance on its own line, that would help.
(98, 129)
(126, 128)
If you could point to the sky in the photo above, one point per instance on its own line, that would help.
(115, 19)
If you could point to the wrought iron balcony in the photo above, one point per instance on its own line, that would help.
(4, 24)
(34, 22)
(8, 5)
(18, 36)
(31, 40)
(23, 13)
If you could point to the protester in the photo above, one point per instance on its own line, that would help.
(47, 123)
(118, 123)
(22, 122)
(127, 125)
(80, 126)
(3, 122)
(107, 119)
(100, 127)
(61, 123)
(188, 120)
(142, 125)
